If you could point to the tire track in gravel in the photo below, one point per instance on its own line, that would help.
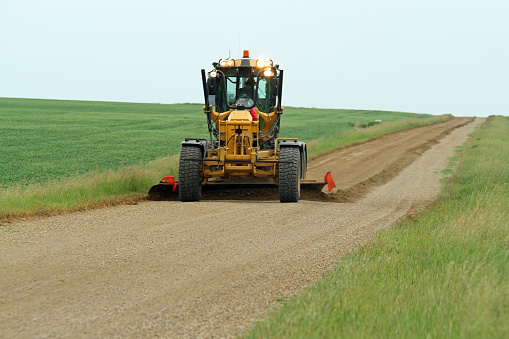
(207, 269)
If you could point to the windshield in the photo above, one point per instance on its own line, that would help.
(245, 86)
(245, 91)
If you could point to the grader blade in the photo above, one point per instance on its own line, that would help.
(165, 191)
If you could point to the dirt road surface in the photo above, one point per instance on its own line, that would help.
(210, 269)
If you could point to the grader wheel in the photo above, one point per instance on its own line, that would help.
(289, 174)
(189, 174)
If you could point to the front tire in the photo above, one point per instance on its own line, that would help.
(189, 174)
(289, 174)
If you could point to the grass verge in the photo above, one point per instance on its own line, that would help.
(444, 274)
(357, 136)
(93, 189)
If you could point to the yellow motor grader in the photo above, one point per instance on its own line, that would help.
(243, 110)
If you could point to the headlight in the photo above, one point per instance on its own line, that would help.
(213, 73)
(268, 73)
(227, 62)
(263, 63)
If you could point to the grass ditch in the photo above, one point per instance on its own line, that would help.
(443, 274)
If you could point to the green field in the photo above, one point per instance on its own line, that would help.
(443, 274)
(48, 139)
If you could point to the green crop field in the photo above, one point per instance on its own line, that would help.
(312, 123)
(48, 139)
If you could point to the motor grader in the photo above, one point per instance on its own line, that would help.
(243, 111)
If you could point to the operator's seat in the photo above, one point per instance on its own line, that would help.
(245, 101)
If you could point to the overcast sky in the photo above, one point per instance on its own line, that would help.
(422, 56)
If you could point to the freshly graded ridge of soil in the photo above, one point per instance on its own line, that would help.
(209, 269)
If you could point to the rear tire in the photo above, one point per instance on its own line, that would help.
(289, 174)
(189, 174)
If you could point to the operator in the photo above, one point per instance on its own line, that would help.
(246, 93)
(247, 90)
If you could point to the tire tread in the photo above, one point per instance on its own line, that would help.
(289, 174)
(189, 174)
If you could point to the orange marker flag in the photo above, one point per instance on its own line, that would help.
(330, 182)
(169, 179)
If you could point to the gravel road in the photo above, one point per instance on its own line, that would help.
(210, 269)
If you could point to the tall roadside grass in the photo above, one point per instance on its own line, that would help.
(95, 188)
(357, 136)
(443, 274)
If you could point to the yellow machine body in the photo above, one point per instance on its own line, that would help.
(243, 110)
(240, 156)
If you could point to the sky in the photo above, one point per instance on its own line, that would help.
(432, 56)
